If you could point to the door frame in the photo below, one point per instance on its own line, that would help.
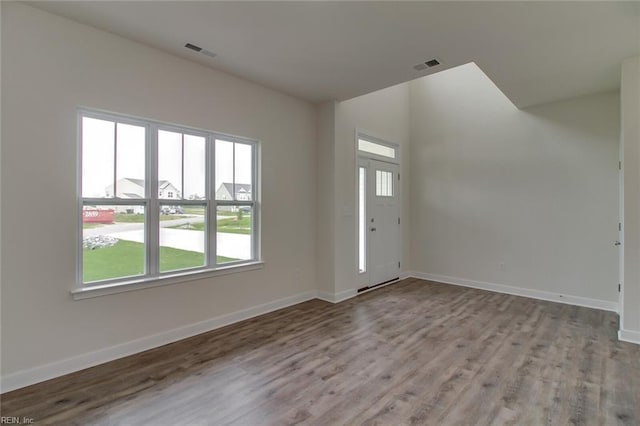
(620, 241)
(362, 158)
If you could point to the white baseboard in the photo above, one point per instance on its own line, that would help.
(345, 295)
(325, 295)
(629, 336)
(41, 373)
(518, 291)
(336, 297)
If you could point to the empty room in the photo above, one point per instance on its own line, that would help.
(322, 213)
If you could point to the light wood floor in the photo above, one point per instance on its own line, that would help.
(412, 353)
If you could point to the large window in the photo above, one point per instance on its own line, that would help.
(160, 200)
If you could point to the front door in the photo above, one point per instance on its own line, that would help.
(383, 222)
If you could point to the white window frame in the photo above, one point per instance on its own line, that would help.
(377, 141)
(153, 203)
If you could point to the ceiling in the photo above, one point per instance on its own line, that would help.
(535, 52)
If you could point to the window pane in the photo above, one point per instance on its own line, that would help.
(112, 242)
(194, 167)
(384, 183)
(182, 237)
(362, 221)
(130, 167)
(376, 148)
(97, 157)
(224, 170)
(243, 171)
(234, 233)
(169, 165)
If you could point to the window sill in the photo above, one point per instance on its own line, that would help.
(139, 284)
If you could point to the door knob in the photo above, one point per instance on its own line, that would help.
(373, 229)
(617, 243)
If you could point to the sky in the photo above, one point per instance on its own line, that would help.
(100, 152)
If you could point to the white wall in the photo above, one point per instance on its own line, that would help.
(50, 66)
(630, 140)
(325, 195)
(384, 114)
(535, 189)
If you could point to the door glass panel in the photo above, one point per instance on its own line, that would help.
(362, 221)
(384, 183)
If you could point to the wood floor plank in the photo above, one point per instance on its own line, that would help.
(415, 352)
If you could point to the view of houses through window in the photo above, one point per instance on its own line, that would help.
(128, 231)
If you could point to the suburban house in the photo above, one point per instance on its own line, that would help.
(167, 191)
(130, 188)
(444, 227)
(134, 188)
(225, 191)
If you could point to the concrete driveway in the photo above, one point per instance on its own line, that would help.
(235, 246)
(112, 228)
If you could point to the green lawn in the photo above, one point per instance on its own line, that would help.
(234, 225)
(139, 218)
(193, 210)
(126, 258)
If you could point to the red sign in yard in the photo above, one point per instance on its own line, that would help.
(98, 216)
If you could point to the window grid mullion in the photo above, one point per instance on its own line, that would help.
(233, 171)
(182, 170)
(212, 210)
(254, 209)
(152, 222)
(115, 159)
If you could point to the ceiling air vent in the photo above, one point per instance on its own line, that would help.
(427, 64)
(193, 47)
(200, 50)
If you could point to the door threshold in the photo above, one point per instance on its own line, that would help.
(371, 287)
